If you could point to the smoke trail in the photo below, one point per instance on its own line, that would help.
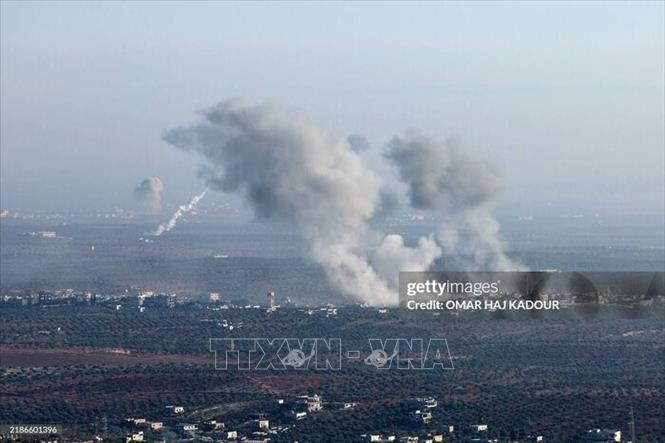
(182, 210)
(289, 169)
(460, 190)
(149, 192)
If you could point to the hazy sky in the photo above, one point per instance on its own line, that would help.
(567, 97)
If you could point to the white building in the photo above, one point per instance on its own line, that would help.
(271, 301)
(261, 424)
(479, 428)
(134, 437)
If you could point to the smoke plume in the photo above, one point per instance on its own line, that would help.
(357, 142)
(182, 210)
(460, 191)
(149, 192)
(289, 169)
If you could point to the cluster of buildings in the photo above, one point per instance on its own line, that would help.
(420, 409)
(14, 215)
(327, 311)
(50, 298)
(137, 299)
(142, 429)
(141, 300)
(429, 437)
(420, 412)
(258, 428)
(476, 434)
(598, 435)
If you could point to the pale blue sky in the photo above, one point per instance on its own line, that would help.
(568, 97)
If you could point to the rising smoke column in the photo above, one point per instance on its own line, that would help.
(460, 190)
(149, 192)
(289, 169)
(182, 210)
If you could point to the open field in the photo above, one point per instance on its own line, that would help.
(520, 376)
(15, 357)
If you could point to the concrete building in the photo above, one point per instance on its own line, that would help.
(271, 301)
(176, 409)
(423, 402)
(261, 424)
(312, 403)
(190, 427)
(479, 428)
(379, 438)
(138, 436)
(161, 301)
(421, 416)
(603, 435)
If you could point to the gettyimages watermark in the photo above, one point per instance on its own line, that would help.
(327, 354)
(524, 295)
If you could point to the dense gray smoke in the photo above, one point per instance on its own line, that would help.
(290, 169)
(358, 142)
(149, 192)
(460, 190)
(182, 210)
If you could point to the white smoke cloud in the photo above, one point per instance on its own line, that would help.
(182, 210)
(149, 192)
(460, 190)
(289, 169)
(393, 256)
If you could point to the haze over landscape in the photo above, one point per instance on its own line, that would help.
(176, 177)
(567, 100)
(386, 146)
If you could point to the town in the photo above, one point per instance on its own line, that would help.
(160, 382)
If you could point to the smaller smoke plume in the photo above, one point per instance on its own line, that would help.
(149, 192)
(460, 189)
(441, 175)
(358, 142)
(182, 210)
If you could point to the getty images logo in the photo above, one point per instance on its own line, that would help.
(326, 354)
